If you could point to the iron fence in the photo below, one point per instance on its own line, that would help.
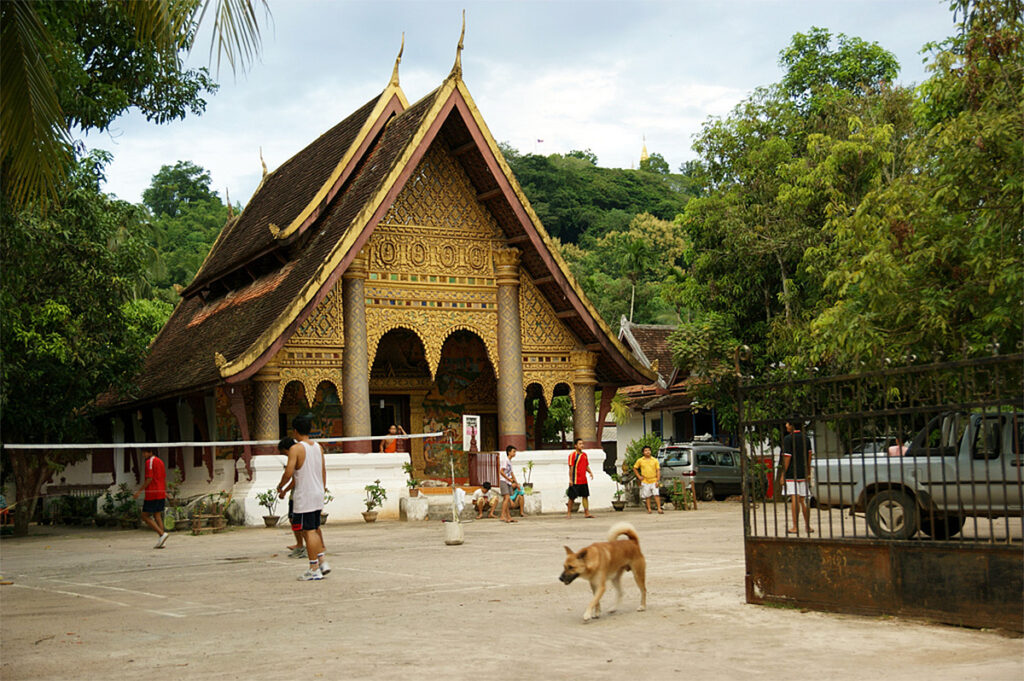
(912, 475)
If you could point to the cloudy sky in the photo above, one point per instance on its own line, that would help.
(576, 74)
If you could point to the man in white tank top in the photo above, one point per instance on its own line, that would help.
(306, 468)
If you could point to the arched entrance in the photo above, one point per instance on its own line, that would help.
(399, 378)
(465, 384)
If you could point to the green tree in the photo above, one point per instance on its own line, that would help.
(175, 187)
(80, 64)
(655, 163)
(930, 260)
(814, 69)
(70, 329)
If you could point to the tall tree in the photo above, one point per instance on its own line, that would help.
(70, 329)
(79, 64)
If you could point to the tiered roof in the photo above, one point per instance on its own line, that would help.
(272, 265)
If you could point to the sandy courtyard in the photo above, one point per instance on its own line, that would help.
(102, 604)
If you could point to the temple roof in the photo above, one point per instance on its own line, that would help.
(308, 220)
(649, 343)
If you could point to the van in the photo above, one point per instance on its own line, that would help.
(713, 468)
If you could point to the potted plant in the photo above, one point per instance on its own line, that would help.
(412, 483)
(527, 485)
(173, 487)
(268, 500)
(575, 502)
(375, 496)
(328, 498)
(126, 508)
(618, 503)
(681, 496)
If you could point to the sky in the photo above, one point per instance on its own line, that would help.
(548, 76)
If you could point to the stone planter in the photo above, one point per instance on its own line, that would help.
(271, 520)
(370, 516)
(619, 504)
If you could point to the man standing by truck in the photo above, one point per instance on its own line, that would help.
(796, 461)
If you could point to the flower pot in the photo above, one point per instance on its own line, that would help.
(527, 488)
(414, 491)
(323, 518)
(370, 516)
(271, 520)
(575, 506)
(619, 504)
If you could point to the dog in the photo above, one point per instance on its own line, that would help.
(606, 560)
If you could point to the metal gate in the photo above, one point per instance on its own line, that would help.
(912, 497)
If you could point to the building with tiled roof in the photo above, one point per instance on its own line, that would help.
(392, 272)
(665, 406)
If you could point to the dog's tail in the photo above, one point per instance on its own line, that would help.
(623, 528)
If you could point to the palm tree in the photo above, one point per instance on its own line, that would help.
(35, 140)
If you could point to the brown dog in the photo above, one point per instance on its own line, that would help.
(608, 560)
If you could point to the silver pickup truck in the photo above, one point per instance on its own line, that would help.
(959, 465)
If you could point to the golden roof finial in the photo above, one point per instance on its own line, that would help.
(263, 163)
(398, 60)
(457, 66)
(227, 199)
(643, 152)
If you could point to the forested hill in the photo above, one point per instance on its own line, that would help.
(575, 198)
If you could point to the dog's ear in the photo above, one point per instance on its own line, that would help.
(568, 551)
(582, 554)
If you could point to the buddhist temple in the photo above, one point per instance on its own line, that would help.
(391, 272)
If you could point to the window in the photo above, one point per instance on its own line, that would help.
(724, 458)
(705, 459)
(986, 439)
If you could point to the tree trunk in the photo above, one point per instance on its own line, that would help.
(785, 286)
(31, 472)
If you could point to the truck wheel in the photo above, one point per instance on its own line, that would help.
(892, 514)
(707, 492)
(943, 526)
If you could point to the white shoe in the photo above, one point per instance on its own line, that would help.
(298, 552)
(325, 567)
(160, 542)
(311, 575)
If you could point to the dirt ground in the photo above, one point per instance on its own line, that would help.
(102, 604)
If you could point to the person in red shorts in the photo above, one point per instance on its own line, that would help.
(155, 486)
(579, 469)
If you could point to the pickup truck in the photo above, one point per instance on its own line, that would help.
(959, 465)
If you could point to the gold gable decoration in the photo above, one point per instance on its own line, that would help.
(325, 327)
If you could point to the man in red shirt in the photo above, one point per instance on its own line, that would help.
(155, 485)
(579, 469)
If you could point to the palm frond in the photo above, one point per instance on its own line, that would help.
(236, 31)
(34, 142)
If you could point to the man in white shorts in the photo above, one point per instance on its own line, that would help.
(648, 472)
(796, 461)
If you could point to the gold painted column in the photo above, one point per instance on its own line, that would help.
(583, 382)
(511, 396)
(266, 389)
(355, 380)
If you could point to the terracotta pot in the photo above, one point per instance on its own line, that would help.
(414, 491)
(370, 516)
(271, 520)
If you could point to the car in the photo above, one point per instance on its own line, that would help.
(713, 468)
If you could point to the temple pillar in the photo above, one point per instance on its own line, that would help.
(511, 396)
(355, 380)
(266, 393)
(416, 421)
(583, 382)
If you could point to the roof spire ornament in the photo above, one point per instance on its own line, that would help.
(263, 163)
(457, 66)
(227, 199)
(398, 60)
